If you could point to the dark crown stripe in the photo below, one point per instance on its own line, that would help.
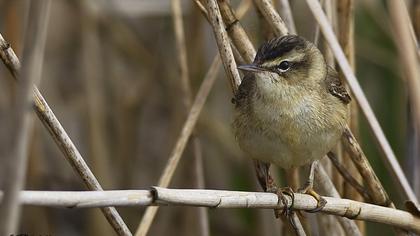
(277, 47)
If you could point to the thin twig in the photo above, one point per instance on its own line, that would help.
(407, 48)
(327, 186)
(286, 13)
(297, 225)
(375, 188)
(187, 99)
(223, 44)
(348, 177)
(185, 134)
(329, 13)
(345, 10)
(181, 52)
(390, 159)
(241, 41)
(265, 28)
(236, 32)
(60, 136)
(345, 24)
(22, 122)
(272, 17)
(202, 9)
(219, 199)
(329, 9)
(200, 183)
(182, 140)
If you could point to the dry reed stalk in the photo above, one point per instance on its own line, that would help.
(202, 9)
(286, 14)
(236, 32)
(61, 138)
(345, 18)
(324, 182)
(389, 155)
(241, 38)
(292, 175)
(203, 220)
(374, 186)
(242, 42)
(328, 222)
(265, 29)
(93, 81)
(279, 28)
(416, 17)
(414, 146)
(223, 44)
(22, 121)
(329, 10)
(218, 199)
(349, 177)
(187, 100)
(272, 17)
(407, 48)
(244, 50)
(329, 58)
(182, 140)
(376, 191)
(297, 225)
(175, 156)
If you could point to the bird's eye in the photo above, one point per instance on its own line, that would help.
(284, 66)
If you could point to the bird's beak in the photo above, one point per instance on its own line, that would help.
(251, 68)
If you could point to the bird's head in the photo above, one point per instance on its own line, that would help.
(290, 60)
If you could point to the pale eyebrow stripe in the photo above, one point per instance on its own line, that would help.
(292, 58)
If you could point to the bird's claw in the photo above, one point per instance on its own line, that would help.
(281, 192)
(308, 189)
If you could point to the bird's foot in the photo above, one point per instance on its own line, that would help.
(308, 189)
(281, 194)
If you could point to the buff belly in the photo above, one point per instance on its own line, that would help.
(281, 152)
(296, 145)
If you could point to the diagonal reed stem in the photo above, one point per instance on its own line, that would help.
(187, 100)
(167, 174)
(182, 140)
(61, 138)
(175, 156)
(223, 43)
(272, 17)
(22, 122)
(390, 158)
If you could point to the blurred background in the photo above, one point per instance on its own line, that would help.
(111, 75)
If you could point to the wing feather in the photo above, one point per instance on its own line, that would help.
(335, 87)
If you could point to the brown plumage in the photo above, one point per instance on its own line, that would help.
(335, 87)
(291, 108)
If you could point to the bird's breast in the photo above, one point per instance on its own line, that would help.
(287, 133)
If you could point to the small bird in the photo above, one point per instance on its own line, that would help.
(290, 108)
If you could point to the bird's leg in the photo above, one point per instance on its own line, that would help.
(267, 183)
(262, 169)
(308, 189)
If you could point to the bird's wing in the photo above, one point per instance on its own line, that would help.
(335, 87)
